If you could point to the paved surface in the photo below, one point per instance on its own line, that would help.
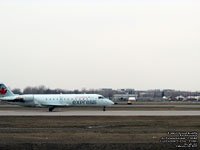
(98, 113)
(128, 106)
(10, 106)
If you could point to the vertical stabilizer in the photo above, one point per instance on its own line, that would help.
(5, 91)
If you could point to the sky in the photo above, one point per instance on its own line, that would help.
(77, 44)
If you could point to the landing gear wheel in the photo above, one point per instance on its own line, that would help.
(104, 108)
(51, 108)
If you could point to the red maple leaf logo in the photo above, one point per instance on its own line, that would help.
(3, 91)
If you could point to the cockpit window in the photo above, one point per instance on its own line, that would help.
(100, 97)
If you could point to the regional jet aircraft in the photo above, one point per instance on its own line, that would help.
(53, 100)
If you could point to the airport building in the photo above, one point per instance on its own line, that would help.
(124, 97)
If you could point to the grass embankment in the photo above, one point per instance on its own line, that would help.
(91, 132)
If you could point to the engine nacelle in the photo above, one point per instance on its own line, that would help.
(28, 98)
(24, 98)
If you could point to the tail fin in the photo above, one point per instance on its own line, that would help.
(5, 91)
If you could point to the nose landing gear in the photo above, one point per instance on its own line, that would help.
(104, 108)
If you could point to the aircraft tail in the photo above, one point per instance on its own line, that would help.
(5, 91)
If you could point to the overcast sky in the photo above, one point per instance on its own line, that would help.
(78, 44)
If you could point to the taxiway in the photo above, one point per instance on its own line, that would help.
(128, 106)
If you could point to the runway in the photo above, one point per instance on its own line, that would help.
(97, 113)
(128, 106)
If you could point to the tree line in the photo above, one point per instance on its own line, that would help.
(43, 90)
(106, 93)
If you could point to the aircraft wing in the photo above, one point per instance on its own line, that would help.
(55, 105)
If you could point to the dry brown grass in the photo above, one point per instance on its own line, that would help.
(90, 132)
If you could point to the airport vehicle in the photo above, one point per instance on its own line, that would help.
(53, 100)
(130, 100)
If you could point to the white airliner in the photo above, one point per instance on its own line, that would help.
(53, 100)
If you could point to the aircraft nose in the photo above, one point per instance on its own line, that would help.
(110, 102)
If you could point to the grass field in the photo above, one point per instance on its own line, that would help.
(83, 133)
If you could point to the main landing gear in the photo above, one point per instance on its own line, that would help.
(104, 108)
(51, 108)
